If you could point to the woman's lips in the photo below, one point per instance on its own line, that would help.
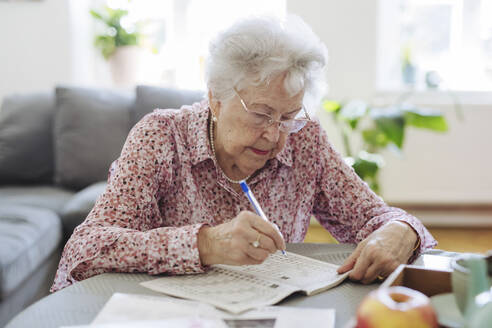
(259, 152)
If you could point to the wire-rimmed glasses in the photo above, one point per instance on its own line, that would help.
(261, 120)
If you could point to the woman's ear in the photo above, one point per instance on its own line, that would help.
(214, 103)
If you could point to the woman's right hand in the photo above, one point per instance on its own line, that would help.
(232, 242)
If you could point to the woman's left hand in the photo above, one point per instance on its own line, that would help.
(381, 252)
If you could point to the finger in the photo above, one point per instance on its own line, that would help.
(280, 233)
(250, 261)
(347, 266)
(372, 273)
(388, 268)
(238, 254)
(349, 263)
(265, 241)
(267, 229)
(360, 267)
(244, 259)
(257, 254)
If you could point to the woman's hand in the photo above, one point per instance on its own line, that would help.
(381, 252)
(231, 242)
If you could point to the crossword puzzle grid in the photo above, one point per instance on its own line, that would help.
(221, 284)
(293, 268)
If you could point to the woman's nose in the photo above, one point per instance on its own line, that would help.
(272, 133)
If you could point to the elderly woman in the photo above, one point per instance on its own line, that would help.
(173, 203)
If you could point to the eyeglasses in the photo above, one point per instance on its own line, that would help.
(261, 120)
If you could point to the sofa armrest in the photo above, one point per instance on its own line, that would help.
(79, 206)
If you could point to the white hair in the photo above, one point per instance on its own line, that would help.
(255, 50)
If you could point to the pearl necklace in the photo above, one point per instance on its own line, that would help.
(212, 120)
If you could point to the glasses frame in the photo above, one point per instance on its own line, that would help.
(281, 124)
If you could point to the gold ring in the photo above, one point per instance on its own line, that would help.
(381, 278)
(256, 243)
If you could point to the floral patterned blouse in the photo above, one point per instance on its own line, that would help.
(166, 185)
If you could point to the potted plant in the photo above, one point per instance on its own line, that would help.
(378, 128)
(119, 44)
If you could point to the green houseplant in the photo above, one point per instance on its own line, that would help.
(115, 34)
(378, 128)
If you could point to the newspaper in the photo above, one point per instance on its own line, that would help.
(130, 310)
(240, 288)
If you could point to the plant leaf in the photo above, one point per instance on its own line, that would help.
(365, 169)
(96, 15)
(331, 106)
(115, 35)
(391, 122)
(106, 44)
(367, 166)
(353, 111)
(426, 119)
(375, 138)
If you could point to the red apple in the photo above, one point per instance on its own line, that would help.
(396, 307)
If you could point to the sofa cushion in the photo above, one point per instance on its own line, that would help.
(149, 98)
(28, 236)
(91, 126)
(79, 206)
(26, 149)
(49, 197)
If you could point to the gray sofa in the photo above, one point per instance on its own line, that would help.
(55, 151)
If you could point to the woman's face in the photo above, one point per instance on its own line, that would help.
(241, 149)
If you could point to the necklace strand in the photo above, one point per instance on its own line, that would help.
(215, 157)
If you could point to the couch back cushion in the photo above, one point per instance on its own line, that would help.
(26, 150)
(149, 98)
(90, 129)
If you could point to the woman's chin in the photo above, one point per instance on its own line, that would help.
(253, 166)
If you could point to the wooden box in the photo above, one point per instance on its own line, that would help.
(431, 279)
(427, 281)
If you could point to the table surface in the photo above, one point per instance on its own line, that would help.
(79, 303)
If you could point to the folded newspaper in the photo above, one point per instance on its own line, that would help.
(240, 288)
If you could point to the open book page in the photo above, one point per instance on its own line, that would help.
(229, 290)
(240, 288)
(131, 308)
(303, 273)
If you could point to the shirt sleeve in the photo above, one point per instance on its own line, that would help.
(348, 208)
(125, 231)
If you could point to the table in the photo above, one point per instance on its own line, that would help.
(79, 303)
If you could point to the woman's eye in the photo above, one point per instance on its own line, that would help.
(259, 116)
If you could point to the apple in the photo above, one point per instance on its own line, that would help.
(396, 307)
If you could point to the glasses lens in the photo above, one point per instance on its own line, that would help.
(258, 119)
(292, 126)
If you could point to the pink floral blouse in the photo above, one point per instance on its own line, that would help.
(166, 185)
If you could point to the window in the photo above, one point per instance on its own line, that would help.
(424, 41)
(179, 31)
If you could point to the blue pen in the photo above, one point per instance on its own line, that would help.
(256, 205)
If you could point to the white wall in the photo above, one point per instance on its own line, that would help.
(34, 45)
(348, 28)
(451, 168)
(41, 46)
